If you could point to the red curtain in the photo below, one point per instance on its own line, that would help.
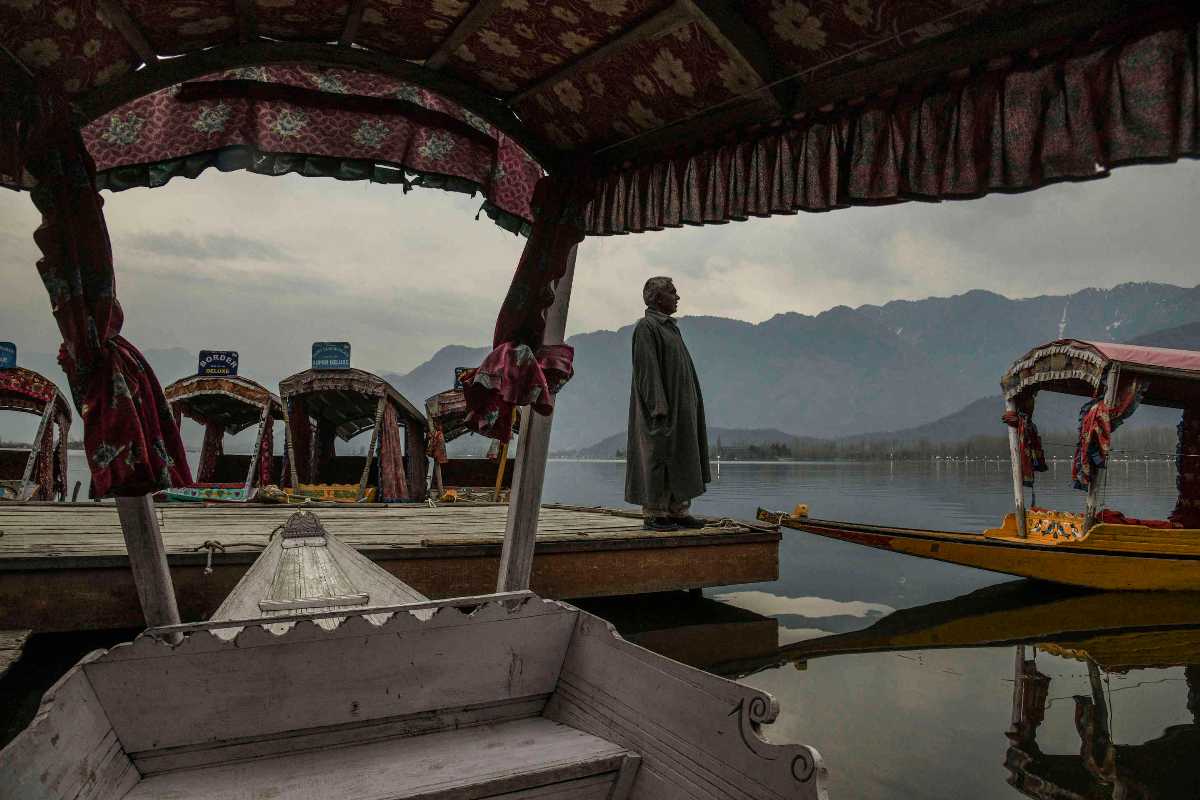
(132, 441)
(324, 449)
(1187, 506)
(300, 431)
(43, 466)
(266, 453)
(212, 449)
(392, 484)
(1059, 116)
(520, 370)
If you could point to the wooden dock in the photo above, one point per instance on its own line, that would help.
(63, 566)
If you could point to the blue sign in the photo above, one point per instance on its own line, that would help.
(458, 373)
(218, 362)
(8, 355)
(331, 355)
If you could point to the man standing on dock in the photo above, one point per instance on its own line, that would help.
(666, 459)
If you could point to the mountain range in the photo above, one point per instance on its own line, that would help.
(845, 371)
(898, 367)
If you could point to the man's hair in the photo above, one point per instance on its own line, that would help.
(653, 287)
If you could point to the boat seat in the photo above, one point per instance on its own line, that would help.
(518, 760)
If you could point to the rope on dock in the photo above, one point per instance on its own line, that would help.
(213, 545)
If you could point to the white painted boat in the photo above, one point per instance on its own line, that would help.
(322, 676)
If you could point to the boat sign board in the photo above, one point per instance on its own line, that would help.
(331, 355)
(8, 355)
(218, 362)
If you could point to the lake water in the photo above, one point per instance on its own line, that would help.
(917, 719)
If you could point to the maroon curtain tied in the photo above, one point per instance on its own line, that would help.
(210, 451)
(266, 450)
(1041, 118)
(300, 429)
(392, 485)
(520, 370)
(132, 441)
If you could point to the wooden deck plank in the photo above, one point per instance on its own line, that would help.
(11, 645)
(63, 566)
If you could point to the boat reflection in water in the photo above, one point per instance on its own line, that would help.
(1149, 641)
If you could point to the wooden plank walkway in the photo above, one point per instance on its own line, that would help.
(63, 566)
(11, 645)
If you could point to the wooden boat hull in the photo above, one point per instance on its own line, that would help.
(1113, 557)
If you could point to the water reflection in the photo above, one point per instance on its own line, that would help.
(1163, 767)
(924, 701)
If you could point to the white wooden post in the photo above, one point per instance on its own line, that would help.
(27, 490)
(1095, 496)
(289, 447)
(148, 560)
(1014, 455)
(366, 473)
(263, 422)
(533, 445)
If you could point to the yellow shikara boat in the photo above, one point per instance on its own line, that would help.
(1099, 548)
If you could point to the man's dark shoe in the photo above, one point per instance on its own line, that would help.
(688, 521)
(659, 524)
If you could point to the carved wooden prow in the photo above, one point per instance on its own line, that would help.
(305, 569)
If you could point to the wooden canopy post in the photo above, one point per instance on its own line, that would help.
(25, 491)
(263, 422)
(366, 473)
(503, 462)
(148, 560)
(1014, 456)
(533, 445)
(415, 464)
(1095, 496)
(289, 446)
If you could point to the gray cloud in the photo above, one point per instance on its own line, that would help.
(267, 265)
(204, 247)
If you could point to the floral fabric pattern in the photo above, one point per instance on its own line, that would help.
(512, 376)
(149, 141)
(131, 438)
(1124, 103)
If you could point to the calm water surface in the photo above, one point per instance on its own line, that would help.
(914, 711)
(926, 722)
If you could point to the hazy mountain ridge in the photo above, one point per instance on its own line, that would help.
(845, 371)
(903, 367)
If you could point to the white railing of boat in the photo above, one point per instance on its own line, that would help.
(162, 631)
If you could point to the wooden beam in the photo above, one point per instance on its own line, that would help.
(148, 560)
(741, 43)
(353, 20)
(1018, 480)
(1095, 495)
(247, 17)
(988, 39)
(169, 72)
(119, 16)
(533, 446)
(471, 22)
(991, 37)
(669, 19)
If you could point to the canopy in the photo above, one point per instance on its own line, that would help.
(40, 473)
(233, 402)
(25, 390)
(349, 398)
(1078, 367)
(685, 111)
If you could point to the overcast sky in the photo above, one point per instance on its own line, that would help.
(268, 265)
